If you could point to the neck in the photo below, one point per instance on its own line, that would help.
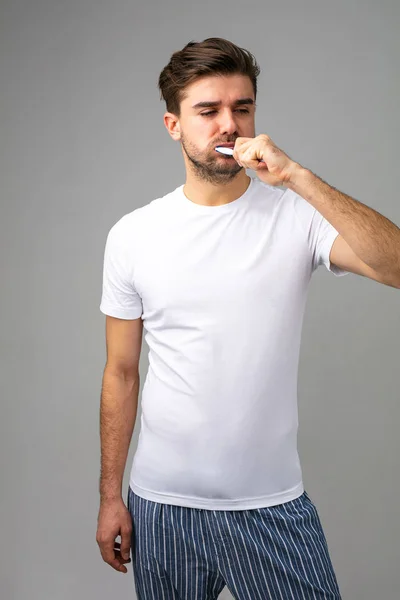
(210, 194)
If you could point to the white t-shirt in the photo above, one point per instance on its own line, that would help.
(221, 291)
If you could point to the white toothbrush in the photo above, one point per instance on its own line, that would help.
(229, 151)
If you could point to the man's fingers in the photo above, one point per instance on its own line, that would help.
(114, 520)
(117, 548)
(126, 542)
(109, 556)
(107, 550)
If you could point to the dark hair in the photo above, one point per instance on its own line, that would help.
(213, 56)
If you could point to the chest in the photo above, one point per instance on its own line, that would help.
(222, 272)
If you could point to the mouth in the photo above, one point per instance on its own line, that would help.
(226, 145)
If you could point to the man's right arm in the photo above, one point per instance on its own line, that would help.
(119, 401)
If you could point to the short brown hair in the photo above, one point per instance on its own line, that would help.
(213, 56)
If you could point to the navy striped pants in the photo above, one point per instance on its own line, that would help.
(272, 553)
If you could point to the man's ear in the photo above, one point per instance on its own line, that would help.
(172, 124)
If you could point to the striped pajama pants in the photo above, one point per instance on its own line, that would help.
(272, 553)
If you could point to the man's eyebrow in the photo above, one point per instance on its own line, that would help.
(209, 104)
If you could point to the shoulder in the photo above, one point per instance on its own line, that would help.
(139, 220)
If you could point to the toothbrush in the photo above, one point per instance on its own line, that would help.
(229, 151)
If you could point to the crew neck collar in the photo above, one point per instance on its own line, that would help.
(220, 208)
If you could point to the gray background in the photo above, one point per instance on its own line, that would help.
(81, 121)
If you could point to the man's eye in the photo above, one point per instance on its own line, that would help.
(210, 112)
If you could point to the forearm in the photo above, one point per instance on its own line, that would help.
(374, 238)
(119, 401)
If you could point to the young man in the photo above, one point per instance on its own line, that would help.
(217, 271)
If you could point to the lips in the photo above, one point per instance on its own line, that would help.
(227, 145)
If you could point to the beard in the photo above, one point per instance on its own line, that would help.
(215, 169)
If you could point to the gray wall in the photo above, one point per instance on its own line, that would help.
(80, 118)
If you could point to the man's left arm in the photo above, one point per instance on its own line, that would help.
(368, 243)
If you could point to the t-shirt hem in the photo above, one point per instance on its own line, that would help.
(218, 504)
(330, 238)
(121, 313)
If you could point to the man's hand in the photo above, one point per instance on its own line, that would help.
(277, 168)
(114, 519)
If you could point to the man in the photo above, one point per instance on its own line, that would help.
(217, 272)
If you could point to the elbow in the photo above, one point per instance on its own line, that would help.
(122, 372)
(396, 283)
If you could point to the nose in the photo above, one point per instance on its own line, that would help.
(227, 123)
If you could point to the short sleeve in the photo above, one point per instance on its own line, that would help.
(119, 296)
(320, 234)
